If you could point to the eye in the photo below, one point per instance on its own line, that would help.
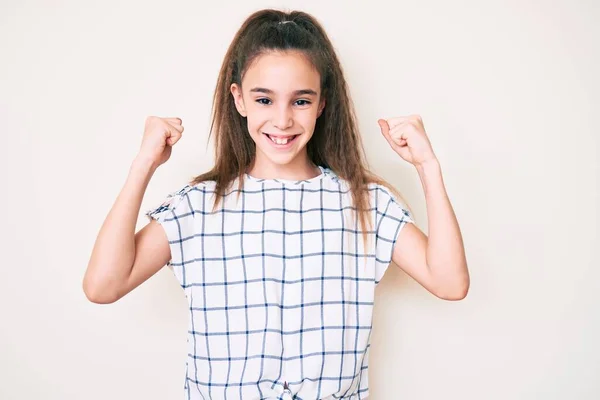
(264, 101)
(303, 102)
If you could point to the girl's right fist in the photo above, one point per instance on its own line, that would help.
(160, 134)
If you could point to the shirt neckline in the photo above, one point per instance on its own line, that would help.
(288, 181)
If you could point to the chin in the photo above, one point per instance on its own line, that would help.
(281, 160)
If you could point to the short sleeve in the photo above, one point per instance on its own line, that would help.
(175, 214)
(392, 216)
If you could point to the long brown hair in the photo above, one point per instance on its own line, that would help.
(336, 142)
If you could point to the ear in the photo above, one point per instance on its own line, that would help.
(321, 107)
(236, 92)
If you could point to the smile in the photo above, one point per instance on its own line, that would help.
(281, 140)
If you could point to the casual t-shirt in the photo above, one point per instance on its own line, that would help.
(279, 285)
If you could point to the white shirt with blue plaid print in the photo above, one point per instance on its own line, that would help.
(280, 286)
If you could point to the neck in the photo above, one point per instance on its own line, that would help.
(292, 171)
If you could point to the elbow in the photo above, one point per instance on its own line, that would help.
(97, 293)
(455, 291)
(454, 295)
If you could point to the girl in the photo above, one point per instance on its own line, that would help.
(280, 246)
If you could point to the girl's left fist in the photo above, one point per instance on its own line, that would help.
(407, 137)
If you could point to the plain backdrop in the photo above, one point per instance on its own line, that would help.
(508, 91)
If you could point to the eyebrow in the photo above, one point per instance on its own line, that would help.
(296, 93)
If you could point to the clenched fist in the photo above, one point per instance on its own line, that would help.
(160, 134)
(407, 137)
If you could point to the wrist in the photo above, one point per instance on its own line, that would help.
(429, 165)
(144, 163)
(430, 174)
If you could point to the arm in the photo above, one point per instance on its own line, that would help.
(438, 263)
(122, 259)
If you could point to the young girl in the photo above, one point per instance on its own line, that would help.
(280, 246)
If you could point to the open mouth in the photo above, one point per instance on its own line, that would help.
(281, 140)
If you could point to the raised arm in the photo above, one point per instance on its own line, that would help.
(437, 262)
(121, 258)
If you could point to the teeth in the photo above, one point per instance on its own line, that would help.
(279, 141)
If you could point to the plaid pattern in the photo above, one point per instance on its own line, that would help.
(280, 286)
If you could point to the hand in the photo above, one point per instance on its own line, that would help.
(160, 135)
(407, 137)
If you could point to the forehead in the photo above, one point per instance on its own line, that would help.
(282, 72)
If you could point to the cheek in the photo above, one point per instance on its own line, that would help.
(308, 119)
(252, 123)
(256, 118)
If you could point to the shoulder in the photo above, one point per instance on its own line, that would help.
(388, 202)
(182, 201)
(382, 194)
(169, 203)
(375, 188)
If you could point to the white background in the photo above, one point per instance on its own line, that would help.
(508, 91)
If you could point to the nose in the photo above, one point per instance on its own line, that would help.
(283, 118)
